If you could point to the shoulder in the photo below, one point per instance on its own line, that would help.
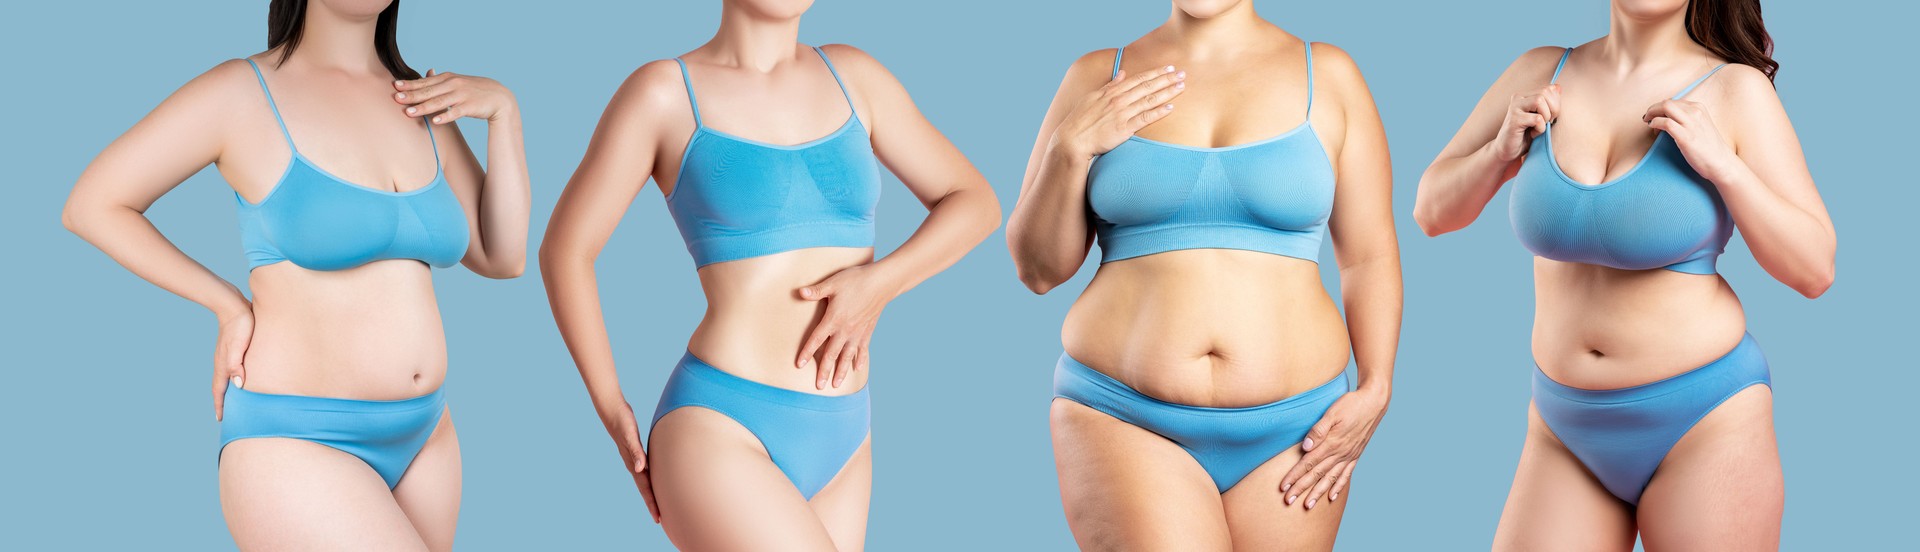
(854, 64)
(232, 80)
(657, 87)
(1333, 65)
(1744, 85)
(1539, 61)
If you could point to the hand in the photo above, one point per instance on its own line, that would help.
(229, 351)
(1693, 131)
(626, 436)
(854, 297)
(1108, 116)
(448, 96)
(1527, 117)
(1333, 446)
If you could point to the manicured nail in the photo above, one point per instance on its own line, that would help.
(236, 382)
(1180, 86)
(1180, 75)
(1290, 498)
(1169, 107)
(412, 110)
(1286, 487)
(1333, 496)
(1310, 502)
(1169, 68)
(399, 84)
(1307, 444)
(436, 119)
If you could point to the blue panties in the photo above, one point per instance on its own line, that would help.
(384, 434)
(1229, 443)
(809, 437)
(1622, 435)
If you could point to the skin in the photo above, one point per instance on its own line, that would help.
(1217, 340)
(798, 320)
(308, 332)
(1602, 328)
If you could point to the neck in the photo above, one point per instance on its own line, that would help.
(1223, 34)
(753, 41)
(333, 41)
(1633, 42)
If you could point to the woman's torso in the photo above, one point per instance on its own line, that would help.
(1214, 326)
(751, 129)
(1601, 327)
(372, 331)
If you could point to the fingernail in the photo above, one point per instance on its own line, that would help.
(1286, 487)
(1169, 68)
(1180, 75)
(1333, 496)
(1310, 502)
(1169, 107)
(1290, 498)
(412, 110)
(1180, 86)
(400, 95)
(236, 382)
(1306, 444)
(436, 119)
(398, 84)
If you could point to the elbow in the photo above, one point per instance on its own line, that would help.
(1039, 280)
(1429, 221)
(1817, 284)
(75, 218)
(508, 272)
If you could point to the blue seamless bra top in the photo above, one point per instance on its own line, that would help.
(1660, 214)
(737, 198)
(1271, 196)
(321, 222)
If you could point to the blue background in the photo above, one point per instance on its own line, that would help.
(110, 445)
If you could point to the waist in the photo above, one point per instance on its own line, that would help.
(756, 322)
(1602, 328)
(1209, 327)
(373, 332)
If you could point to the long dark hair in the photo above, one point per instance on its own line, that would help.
(286, 19)
(1732, 29)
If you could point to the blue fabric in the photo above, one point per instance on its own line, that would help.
(1660, 214)
(384, 434)
(1271, 196)
(737, 198)
(1229, 443)
(321, 222)
(809, 437)
(1622, 435)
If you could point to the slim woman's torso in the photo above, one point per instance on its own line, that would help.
(370, 332)
(1597, 327)
(1218, 327)
(755, 321)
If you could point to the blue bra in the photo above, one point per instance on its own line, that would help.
(737, 198)
(1661, 214)
(322, 222)
(1271, 196)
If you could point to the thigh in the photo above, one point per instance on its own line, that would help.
(1259, 518)
(1720, 488)
(718, 490)
(289, 494)
(1126, 488)
(1556, 504)
(842, 504)
(430, 490)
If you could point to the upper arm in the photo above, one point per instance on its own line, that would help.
(1531, 70)
(1087, 74)
(183, 135)
(1362, 220)
(1764, 139)
(619, 159)
(903, 139)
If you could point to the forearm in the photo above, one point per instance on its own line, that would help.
(1047, 232)
(1792, 244)
(1371, 291)
(130, 239)
(1455, 190)
(574, 293)
(506, 198)
(955, 224)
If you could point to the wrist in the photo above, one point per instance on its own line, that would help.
(887, 277)
(1061, 150)
(232, 309)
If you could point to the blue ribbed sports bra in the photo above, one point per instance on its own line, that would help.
(322, 222)
(737, 198)
(1271, 196)
(1660, 214)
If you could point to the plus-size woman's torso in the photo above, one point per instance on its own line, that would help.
(1212, 324)
(368, 331)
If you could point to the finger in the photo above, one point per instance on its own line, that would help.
(638, 452)
(1665, 124)
(1148, 87)
(1135, 81)
(1325, 483)
(1542, 107)
(1316, 436)
(451, 114)
(861, 364)
(1552, 95)
(219, 396)
(818, 291)
(814, 341)
(429, 79)
(1297, 473)
(1534, 124)
(1340, 485)
(644, 482)
(829, 360)
(423, 93)
(846, 362)
(434, 105)
(1303, 487)
(1156, 99)
(1149, 116)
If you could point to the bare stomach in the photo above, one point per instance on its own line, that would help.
(1602, 328)
(372, 332)
(1210, 327)
(756, 321)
